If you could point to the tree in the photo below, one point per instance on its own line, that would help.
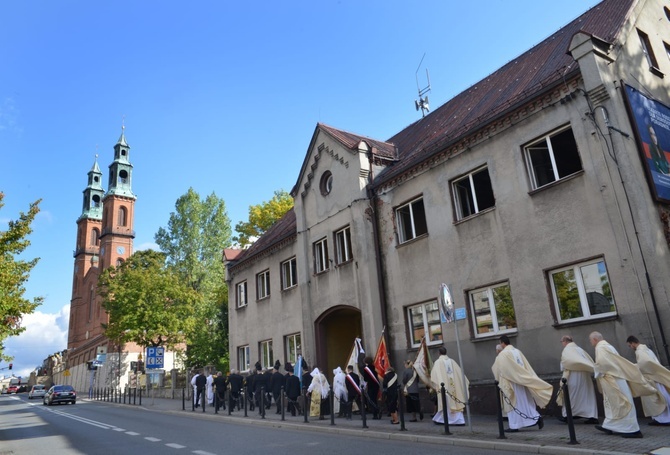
(193, 241)
(14, 274)
(262, 216)
(147, 302)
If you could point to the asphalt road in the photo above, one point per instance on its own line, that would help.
(28, 427)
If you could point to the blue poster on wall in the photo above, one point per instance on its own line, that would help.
(651, 121)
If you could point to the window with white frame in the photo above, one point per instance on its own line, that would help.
(241, 294)
(243, 358)
(492, 310)
(411, 220)
(289, 273)
(647, 49)
(266, 353)
(293, 347)
(473, 193)
(321, 255)
(582, 291)
(343, 245)
(263, 285)
(424, 321)
(552, 157)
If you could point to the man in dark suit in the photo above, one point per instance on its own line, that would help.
(276, 383)
(220, 386)
(235, 383)
(200, 385)
(353, 391)
(292, 390)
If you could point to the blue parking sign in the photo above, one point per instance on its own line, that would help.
(155, 357)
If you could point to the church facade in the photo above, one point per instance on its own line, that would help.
(540, 196)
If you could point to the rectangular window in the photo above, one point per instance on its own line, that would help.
(667, 49)
(243, 358)
(289, 274)
(492, 310)
(647, 50)
(321, 256)
(411, 220)
(424, 320)
(263, 285)
(343, 245)
(473, 193)
(582, 291)
(293, 348)
(553, 157)
(266, 354)
(241, 294)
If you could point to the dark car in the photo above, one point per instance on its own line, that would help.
(60, 394)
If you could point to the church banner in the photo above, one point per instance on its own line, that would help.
(651, 121)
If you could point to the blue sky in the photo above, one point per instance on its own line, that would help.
(220, 96)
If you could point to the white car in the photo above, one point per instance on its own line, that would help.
(37, 390)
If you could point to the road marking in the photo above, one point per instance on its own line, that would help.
(119, 429)
(132, 433)
(152, 439)
(175, 446)
(202, 452)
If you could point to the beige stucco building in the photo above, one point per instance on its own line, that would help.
(537, 195)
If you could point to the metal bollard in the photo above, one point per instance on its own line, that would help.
(331, 398)
(203, 400)
(568, 412)
(281, 401)
(244, 395)
(363, 404)
(183, 398)
(445, 413)
(262, 403)
(135, 396)
(140, 396)
(216, 402)
(501, 426)
(306, 406)
(401, 408)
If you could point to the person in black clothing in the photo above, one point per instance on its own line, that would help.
(276, 383)
(371, 387)
(353, 391)
(390, 384)
(267, 373)
(250, 385)
(260, 386)
(292, 390)
(220, 385)
(200, 385)
(235, 384)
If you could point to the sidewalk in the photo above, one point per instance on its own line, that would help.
(554, 438)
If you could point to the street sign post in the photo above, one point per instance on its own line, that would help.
(155, 357)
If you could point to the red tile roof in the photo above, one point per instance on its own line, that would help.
(351, 141)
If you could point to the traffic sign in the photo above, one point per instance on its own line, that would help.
(66, 373)
(155, 357)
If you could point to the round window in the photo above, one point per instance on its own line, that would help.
(326, 183)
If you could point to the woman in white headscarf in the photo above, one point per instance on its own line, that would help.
(318, 390)
(339, 390)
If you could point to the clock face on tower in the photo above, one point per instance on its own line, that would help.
(120, 249)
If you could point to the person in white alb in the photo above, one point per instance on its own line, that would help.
(659, 377)
(577, 367)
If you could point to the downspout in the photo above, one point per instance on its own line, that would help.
(372, 197)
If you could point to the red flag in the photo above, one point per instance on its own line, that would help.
(382, 362)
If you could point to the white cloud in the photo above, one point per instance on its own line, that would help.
(45, 334)
(147, 246)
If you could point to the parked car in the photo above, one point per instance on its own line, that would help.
(13, 389)
(38, 390)
(60, 394)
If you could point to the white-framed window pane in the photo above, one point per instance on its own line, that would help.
(424, 320)
(289, 273)
(263, 285)
(241, 294)
(473, 193)
(492, 310)
(552, 158)
(343, 245)
(582, 291)
(267, 359)
(293, 348)
(321, 256)
(243, 356)
(411, 220)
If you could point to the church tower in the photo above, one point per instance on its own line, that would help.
(116, 241)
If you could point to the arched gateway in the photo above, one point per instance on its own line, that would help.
(335, 331)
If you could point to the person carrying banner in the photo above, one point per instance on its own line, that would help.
(390, 393)
(353, 391)
(446, 371)
(372, 387)
(410, 380)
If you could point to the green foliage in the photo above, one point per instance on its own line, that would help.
(193, 241)
(567, 293)
(147, 302)
(14, 274)
(262, 216)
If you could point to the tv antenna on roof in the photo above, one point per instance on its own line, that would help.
(422, 102)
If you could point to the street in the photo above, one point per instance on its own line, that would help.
(27, 426)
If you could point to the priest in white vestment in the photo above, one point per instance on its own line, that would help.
(446, 371)
(619, 381)
(522, 387)
(659, 377)
(577, 368)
